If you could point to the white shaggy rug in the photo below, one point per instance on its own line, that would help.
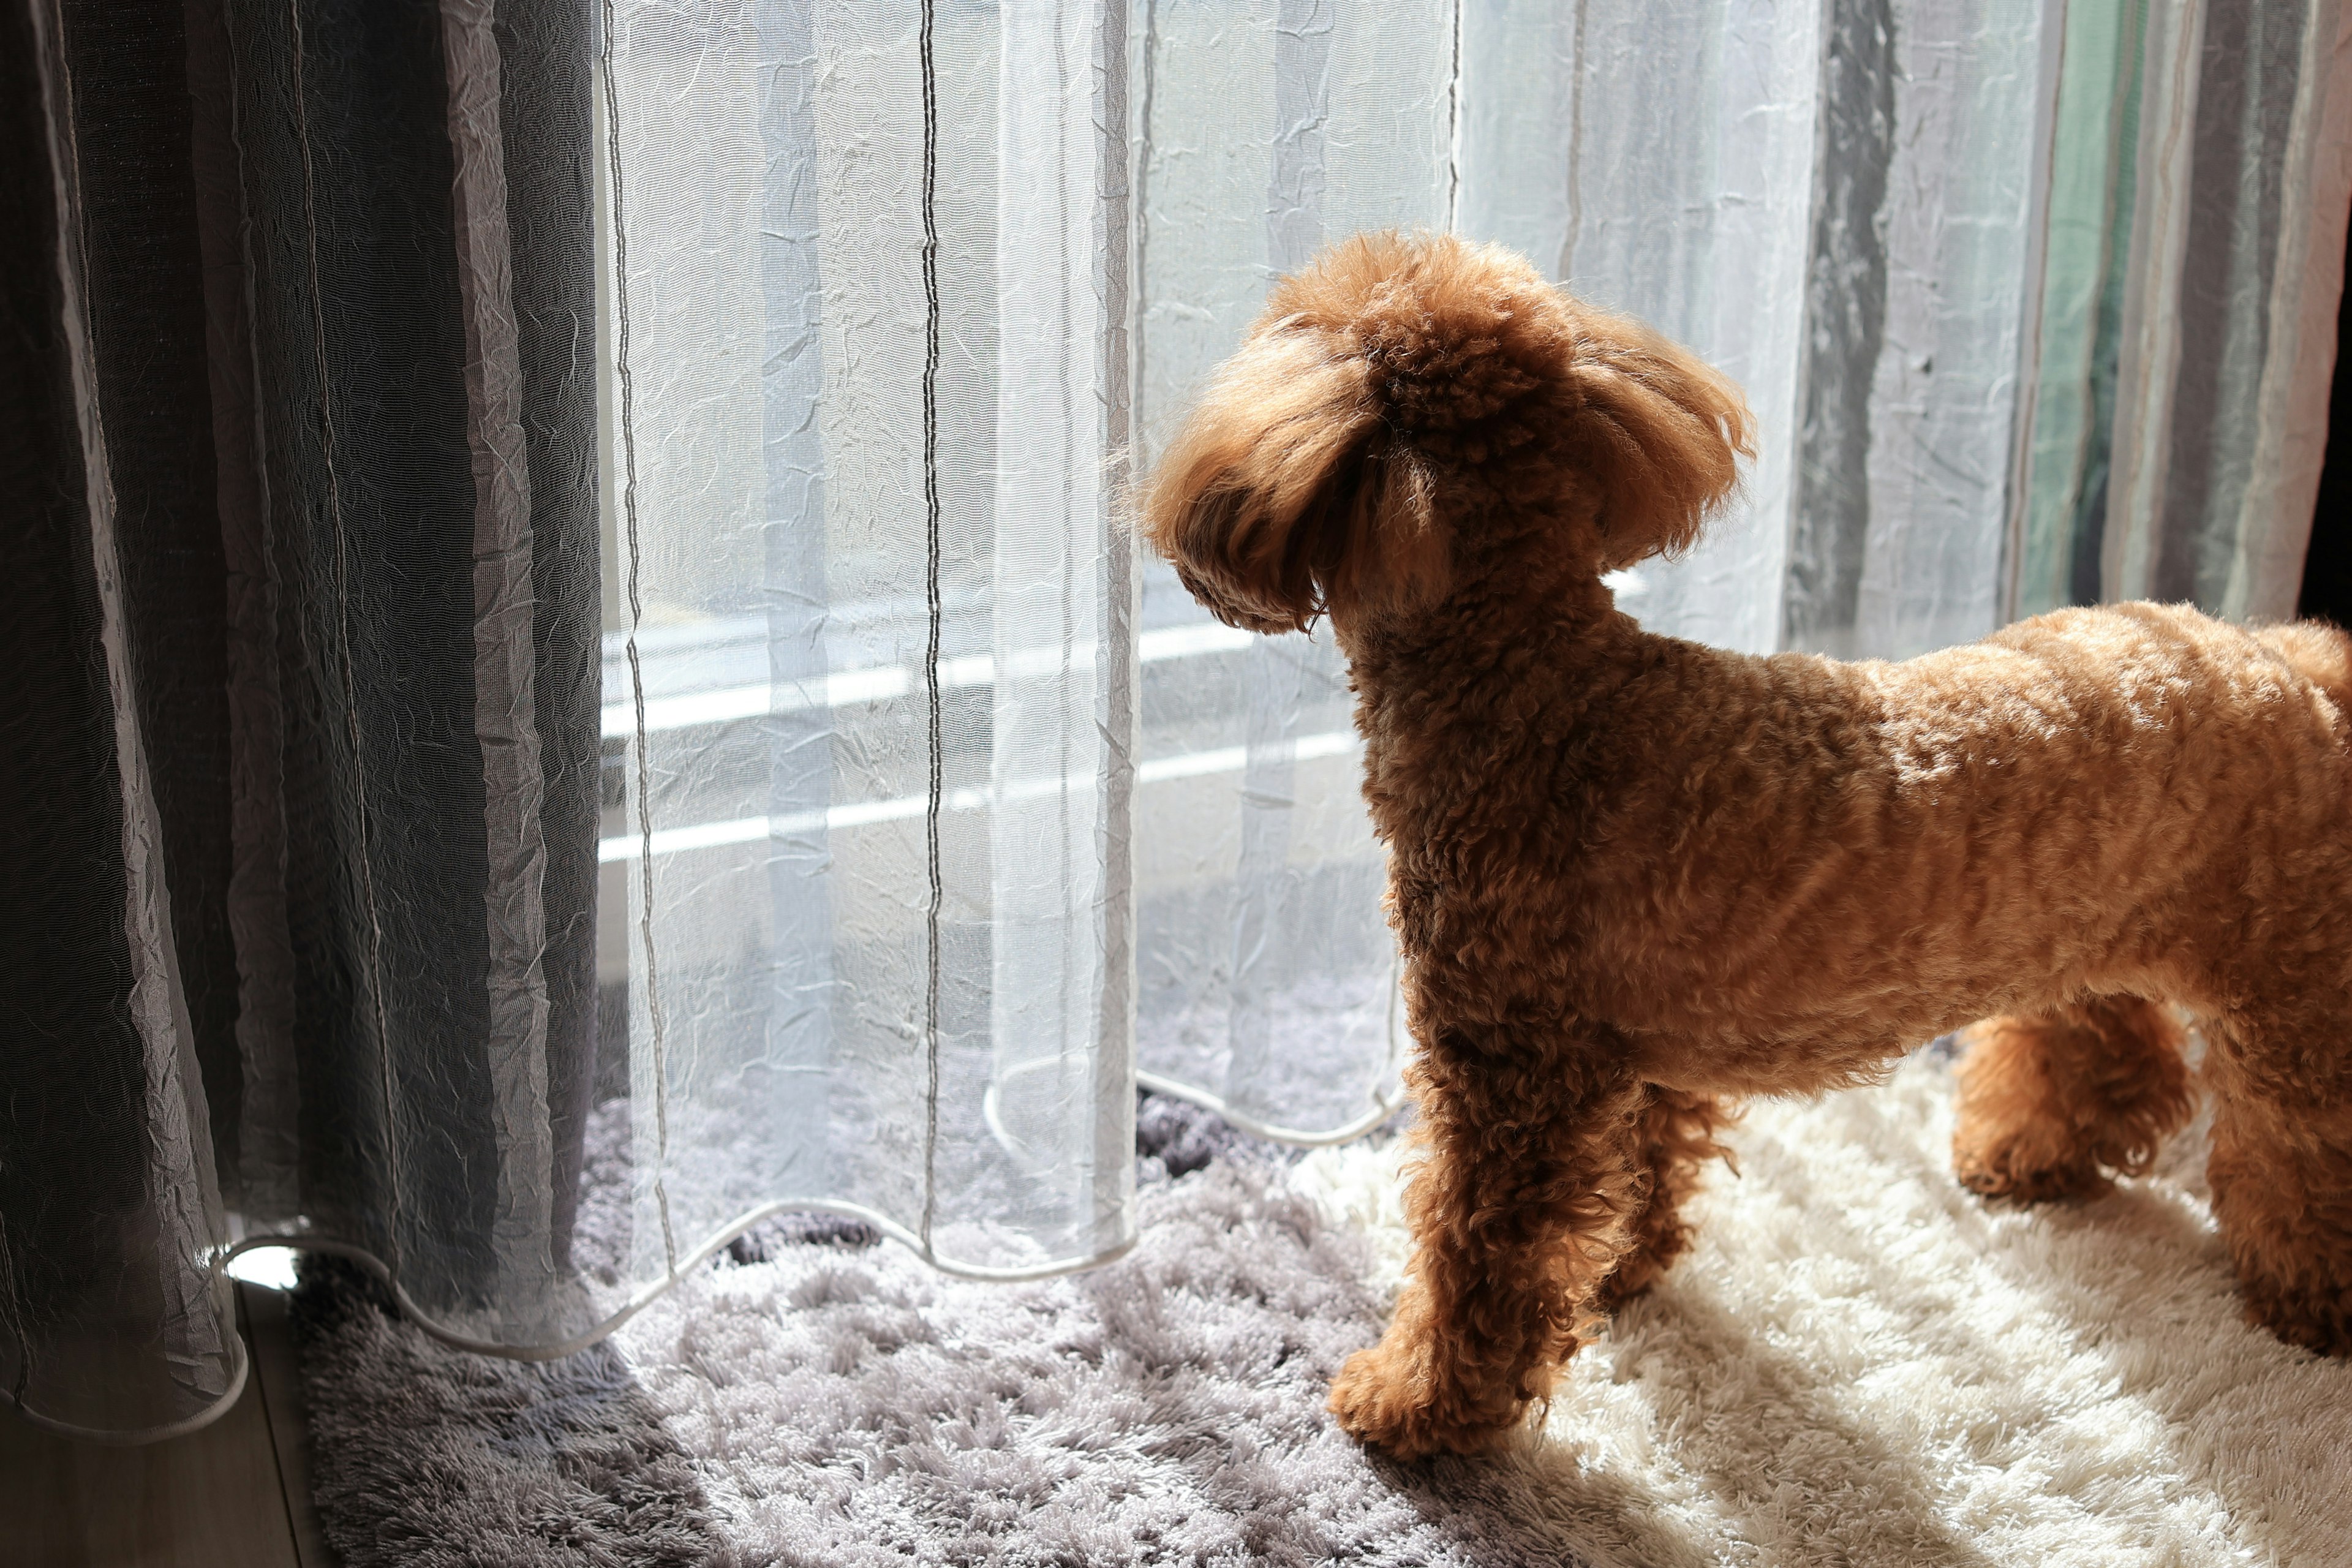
(1860, 1361)
(1859, 1364)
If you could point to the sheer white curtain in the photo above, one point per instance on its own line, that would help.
(936, 820)
(868, 677)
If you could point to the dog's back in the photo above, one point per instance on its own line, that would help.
(2320, 653)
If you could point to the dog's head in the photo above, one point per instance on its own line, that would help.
(1411, 415)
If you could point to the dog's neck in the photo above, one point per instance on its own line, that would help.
(1472, 661)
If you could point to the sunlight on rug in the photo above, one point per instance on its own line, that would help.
(1861, 1362)
(1858, 1362)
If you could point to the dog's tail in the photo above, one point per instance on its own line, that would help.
(1314, 474)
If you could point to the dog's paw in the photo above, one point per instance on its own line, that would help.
(1393, 1402)
(2029, 1167)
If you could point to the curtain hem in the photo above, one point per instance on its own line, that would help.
(131, 1437)
(556, 1350)
(1385, 1104)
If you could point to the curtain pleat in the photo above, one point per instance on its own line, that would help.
(580, 680)
(546, 82)
(260, 1167)
(443, 625)
(2090, 196)
(505, 694)
(130, 146)
(109, 1212)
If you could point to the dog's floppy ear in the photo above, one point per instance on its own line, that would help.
(1657, 433)
(1286, 494)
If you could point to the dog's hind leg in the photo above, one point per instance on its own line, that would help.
(2281, 1171)
(1677, 1136)
(2049, 1106)
(1527, 1195)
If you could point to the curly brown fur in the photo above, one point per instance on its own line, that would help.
(2049, 1106)
(1522, 1206)
(1630, 875)
(1677, 1138)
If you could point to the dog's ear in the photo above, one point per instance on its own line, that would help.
(1286, 494)
(1654, 432)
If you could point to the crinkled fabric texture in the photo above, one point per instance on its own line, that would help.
(1858, 1362)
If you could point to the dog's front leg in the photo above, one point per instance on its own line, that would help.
(1523, 1202)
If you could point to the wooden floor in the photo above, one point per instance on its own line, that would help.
(236, 1492)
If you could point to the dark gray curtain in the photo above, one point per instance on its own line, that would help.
(297, 447)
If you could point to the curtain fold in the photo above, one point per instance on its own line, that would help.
(581, 679)
(435, 569)
(115, 1017)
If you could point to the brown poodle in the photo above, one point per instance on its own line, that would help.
(1630, 876)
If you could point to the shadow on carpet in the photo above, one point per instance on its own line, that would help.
(814, 1398)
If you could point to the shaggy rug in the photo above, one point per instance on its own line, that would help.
(1859, 1362)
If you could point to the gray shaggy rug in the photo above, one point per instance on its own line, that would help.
(1858, 1362)
(814, 1398)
